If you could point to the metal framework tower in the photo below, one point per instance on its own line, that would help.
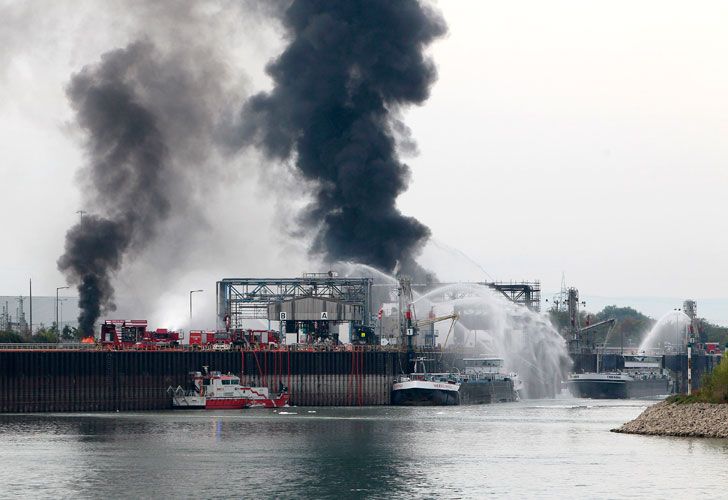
(526, 293)
(240, 299)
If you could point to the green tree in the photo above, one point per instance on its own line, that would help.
(69, 333)
(631, 325)
(11, 338)
(715, 386)
(714, 333)
(45, 336)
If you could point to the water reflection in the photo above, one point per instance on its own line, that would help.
(528, 448)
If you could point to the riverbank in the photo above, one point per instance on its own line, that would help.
(674, 419)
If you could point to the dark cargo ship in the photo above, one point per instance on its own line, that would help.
(484, 381)
(642, 377)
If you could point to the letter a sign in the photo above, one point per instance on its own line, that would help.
(324, 315)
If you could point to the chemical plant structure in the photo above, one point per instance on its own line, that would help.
(323, 308)
(320, 340)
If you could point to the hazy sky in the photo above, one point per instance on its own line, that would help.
(565, 136)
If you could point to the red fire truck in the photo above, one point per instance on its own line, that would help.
(201, 338)
(161, 337)
(256, 338)
(712, 348)
(232, 339)
(122, 333)
(133, 334)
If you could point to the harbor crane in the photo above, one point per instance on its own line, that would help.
(421, 323)
(409, 324)
(610, 323)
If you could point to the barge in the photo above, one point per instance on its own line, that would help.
(420, 388)
(642, 377)
(485, 381)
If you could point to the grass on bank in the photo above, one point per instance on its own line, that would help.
(714, 387)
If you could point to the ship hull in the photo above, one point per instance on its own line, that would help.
(202, 403)
(226, 404)
(425, 397)
(648, 388)
(486, 392)
(626, 388)
(598, 389)
(425, 393)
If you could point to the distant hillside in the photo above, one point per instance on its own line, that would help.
(631, 325)
(714, 309)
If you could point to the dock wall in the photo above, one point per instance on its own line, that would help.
(95, 380)
(61, 381)
(701, 365)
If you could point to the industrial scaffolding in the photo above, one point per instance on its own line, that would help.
(241, 299)
(525, 293)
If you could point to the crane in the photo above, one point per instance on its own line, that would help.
(409, 324)
(429, 321)
(420, 323)
(611, 322)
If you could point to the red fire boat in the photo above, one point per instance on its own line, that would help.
(215, 391)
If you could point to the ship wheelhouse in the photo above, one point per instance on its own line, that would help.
(483, 368)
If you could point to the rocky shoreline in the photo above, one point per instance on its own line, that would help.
(688, 420)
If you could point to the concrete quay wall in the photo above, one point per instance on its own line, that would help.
(61, 381)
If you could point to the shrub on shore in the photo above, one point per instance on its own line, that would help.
(714, 387)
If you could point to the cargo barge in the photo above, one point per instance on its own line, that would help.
(641, 377)
(421, 388)
(483, 381)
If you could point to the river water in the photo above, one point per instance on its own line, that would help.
(535, 449)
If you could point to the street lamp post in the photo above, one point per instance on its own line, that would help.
(688, 349)
(677, 330)
(191, 292)
(59, 288)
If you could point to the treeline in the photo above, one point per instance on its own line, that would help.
(713, 387)
(44, 335)
(715, 333)
(631, 326)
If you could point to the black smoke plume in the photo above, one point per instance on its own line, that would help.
(125, 177)
(349, 68)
